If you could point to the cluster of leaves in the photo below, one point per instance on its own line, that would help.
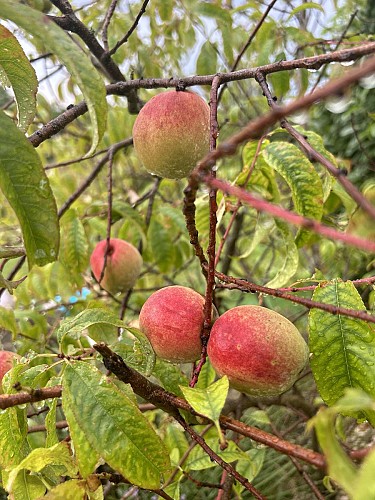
(58, 312)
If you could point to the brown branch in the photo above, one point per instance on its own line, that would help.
(291, 217)
(313, 62)
(70, 22)
(107, 20)
(248, 43)
(246, 286)
(9, 400)
(315, 155)
(62, 424)
(210, 277)
(171, 404)
(215, 457)
(121, 88)
(131, 29)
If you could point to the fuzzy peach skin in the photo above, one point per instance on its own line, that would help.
(123, 266)
(171, 133)
(259, 350)
(6, 363)
(172, 319)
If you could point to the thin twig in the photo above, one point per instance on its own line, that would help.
(107, 20)
(131, 29)
(291, 217)
(315, 155)
(246, 286)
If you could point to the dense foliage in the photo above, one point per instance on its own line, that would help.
(291, 229)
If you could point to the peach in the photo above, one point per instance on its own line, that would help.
(6, 363)
(260, 351)
(123, 265)
(172, 319)
(171, 133)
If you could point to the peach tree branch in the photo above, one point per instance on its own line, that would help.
(246, 286)
(315, 155)
(121, 88)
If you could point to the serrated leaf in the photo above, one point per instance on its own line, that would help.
(74, 245)
(77, 63)
(302, 179)
(41, 457)
(27, 487)
(170, 376)
(207, 59)
(290, 265)
(144, 355)
(36, 376)
(12, 439)
(343, 348)
(27, 189)
(86, 456)
(199, 460)
(114, 426)
(210, 401)
(21, 76)
(207, 376)
(161, 246)
(74, 326)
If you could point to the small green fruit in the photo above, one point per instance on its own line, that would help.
(171, 133)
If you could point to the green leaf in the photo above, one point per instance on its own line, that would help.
(137, 353)
(170, 376)
(290, 264)
(74, 489)
(21, 76)
(251, 467)
(41, 457)
(302, 179)
(74, 245)
(340, 467)
(26, 187)
(343, 348)
(74, 326)
(77, 63)
(207, 376)
(210, 401)
(199, 460)
(8, 320)
(27, 487)
(306, 5)
(114, 426)
(161, 246)
(365, 484)
(207, 59)
(86, 456)
(50, 423)
(12, 439)
(209, 9)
